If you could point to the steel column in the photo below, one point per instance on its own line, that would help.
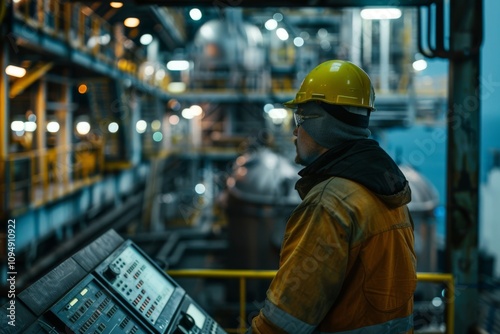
(4, 127)
(463, 159)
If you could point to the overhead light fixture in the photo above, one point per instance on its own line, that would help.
(380, 13)
(177, 65)
(29, 126)
(419, 65)
(128, 44)
(271, 24)
(277, 115)
(298, 41)
(131, 22)
(53, 127)
(141, 126)
(176, 87)
(282, 34)
(157, 136)
(187, 113)
(82, 89)
(113, 127)
(173, 119)
(149, 70)
(146, 39)
(196, 109)
(268, 107)
(101, 40)
(17, 126)
(174, 104)
(116, 4)
(322, 33)
(83, 128)
(15, 71)
(160, 74)
(200, 189)
(156, 125)
(195, 14)
(278, 17)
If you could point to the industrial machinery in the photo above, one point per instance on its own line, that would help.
(110, 286)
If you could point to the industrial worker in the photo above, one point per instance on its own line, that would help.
(347, 261)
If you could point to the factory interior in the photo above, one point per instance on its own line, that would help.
(157, 128)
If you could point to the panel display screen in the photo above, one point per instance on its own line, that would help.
(140, 283)
(198, 316)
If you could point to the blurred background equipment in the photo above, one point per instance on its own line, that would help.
(165, 122)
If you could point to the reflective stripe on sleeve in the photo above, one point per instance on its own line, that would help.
(285, 321)
(395, 326)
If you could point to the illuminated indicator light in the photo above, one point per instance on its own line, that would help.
(84, 291)
(72, 303)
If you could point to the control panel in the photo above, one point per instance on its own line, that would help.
(110, 286)
(91, 308)
(152, 294)
(194, 320)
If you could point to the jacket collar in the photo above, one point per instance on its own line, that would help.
(362, 161)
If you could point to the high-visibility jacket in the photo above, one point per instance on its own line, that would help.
(347, 263)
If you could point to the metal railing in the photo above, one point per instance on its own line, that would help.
(244, 275)
(78, 26)
(35, 177)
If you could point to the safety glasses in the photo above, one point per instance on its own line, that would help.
(299, 118)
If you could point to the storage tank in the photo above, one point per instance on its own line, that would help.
(223, 43)
(424, 200)
(260, 197)
(227, 53)
(428, 308)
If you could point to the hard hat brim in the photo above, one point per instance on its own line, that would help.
(291, 104)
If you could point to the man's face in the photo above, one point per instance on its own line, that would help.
(307, 149)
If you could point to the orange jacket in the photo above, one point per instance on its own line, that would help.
(347, 264)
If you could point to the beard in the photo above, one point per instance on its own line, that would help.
(298, 160)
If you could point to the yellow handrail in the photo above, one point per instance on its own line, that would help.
(243, 275)
(49, 174)
(450, 294)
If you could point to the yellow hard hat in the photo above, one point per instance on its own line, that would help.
(336, 82)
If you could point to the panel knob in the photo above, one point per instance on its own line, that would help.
(111, 272)
(187, 321)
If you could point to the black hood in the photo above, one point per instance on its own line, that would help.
(362, 161)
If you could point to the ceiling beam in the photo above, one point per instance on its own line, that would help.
(281, 3)
(22, 83)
